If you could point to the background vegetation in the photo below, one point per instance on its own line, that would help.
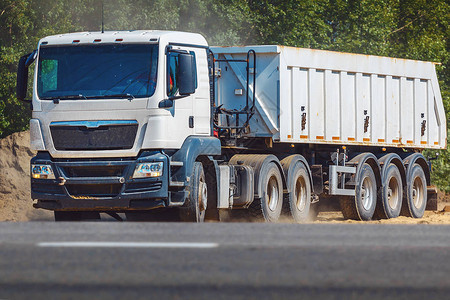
(416, 29)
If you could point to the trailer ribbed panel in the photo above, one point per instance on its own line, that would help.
(314, 96)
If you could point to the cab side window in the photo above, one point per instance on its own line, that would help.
(172, 74)
(194, 70)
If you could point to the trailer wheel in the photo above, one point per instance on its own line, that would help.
(270, 205)
(64, 216)
(299, 197)
(362, 206)
(195, 206)
(416, 193)
(391, 194)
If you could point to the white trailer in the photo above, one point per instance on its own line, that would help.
(158, 124)
(326, 97)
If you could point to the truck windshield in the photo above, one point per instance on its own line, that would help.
(97, 71)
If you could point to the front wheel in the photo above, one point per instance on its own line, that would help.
(195, 206)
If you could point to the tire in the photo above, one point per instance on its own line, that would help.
(212, 213)
(390, 203)
(73, 216)
(268, 208)
(299, 196)
(154, 215)
(362, 206)
(416, 194)
(195, 206)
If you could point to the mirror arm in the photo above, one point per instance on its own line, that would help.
(31, 58)
(169, 102)
(177, 51)
(178, 97)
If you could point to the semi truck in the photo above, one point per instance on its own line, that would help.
(157, 124)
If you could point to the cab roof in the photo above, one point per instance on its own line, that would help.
(131, 36)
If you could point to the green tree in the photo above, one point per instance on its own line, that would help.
(415, 29)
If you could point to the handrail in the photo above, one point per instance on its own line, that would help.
(248, 110)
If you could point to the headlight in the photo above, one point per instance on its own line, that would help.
(42, 172)
(148, 170)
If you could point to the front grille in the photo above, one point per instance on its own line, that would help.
(94, 171)
(105, 137)
(94, 190)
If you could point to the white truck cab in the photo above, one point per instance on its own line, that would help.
(115, 98)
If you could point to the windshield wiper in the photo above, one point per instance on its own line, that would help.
(125, 95)
(65, 97)
(81, 96)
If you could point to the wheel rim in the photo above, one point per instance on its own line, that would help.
(300, 193)
(367, 193)
(393, 192)
(272, 189)
(417, 192)
(203, 196)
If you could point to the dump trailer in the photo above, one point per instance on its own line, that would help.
(158, 125)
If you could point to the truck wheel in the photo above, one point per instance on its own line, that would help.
(299, 200)
(269, 206)
(195, 206)
(362, 206)
(416, 194)
(64, 216)
(212, 213)
(391, 194)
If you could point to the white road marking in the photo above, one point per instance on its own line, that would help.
(126, 245)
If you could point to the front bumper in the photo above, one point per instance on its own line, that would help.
(100, 184)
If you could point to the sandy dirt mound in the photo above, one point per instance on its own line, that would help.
(15, 199)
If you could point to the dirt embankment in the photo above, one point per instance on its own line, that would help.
(16, 204)
(15, 199)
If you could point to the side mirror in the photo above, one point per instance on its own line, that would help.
(22, 75)
(186, 77)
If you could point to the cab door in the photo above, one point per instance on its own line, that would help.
(192, 110)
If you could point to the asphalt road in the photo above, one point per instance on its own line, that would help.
(97, 260)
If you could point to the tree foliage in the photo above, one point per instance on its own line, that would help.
(415, 29)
